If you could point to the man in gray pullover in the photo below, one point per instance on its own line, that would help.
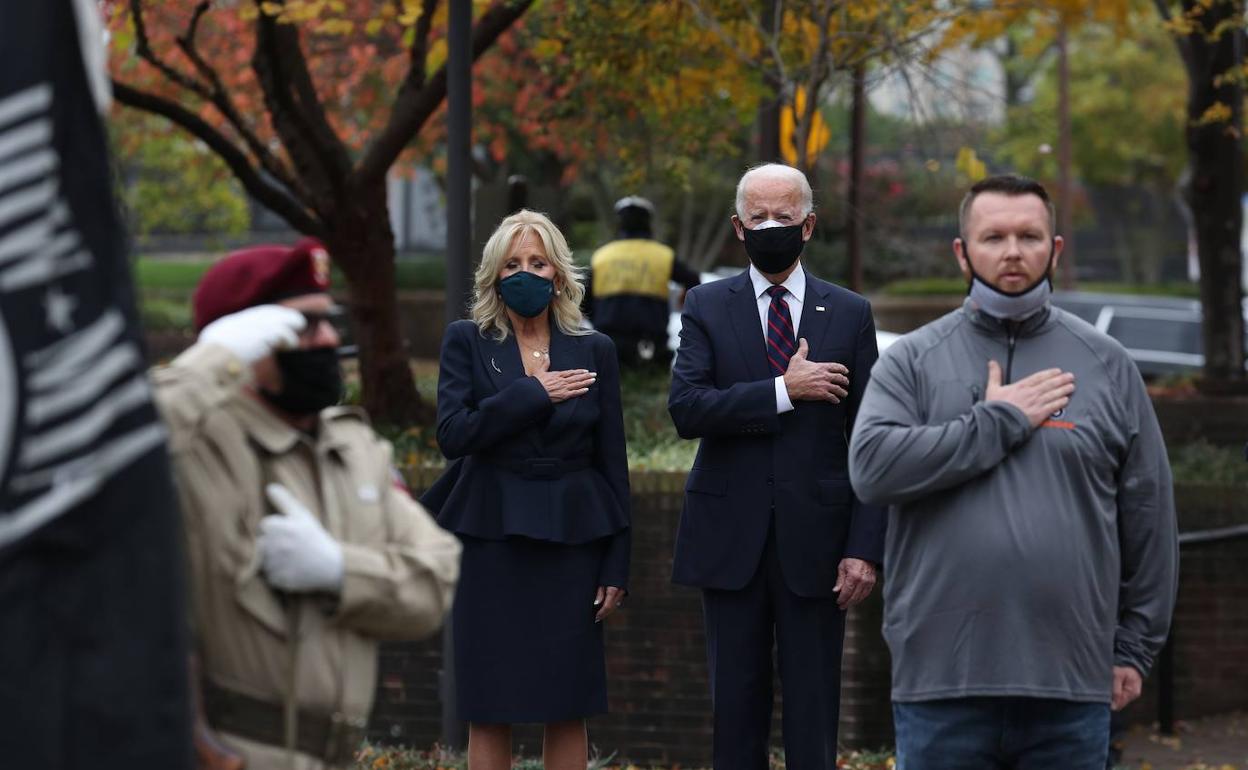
(1031, 557)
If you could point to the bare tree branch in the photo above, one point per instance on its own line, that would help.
(413, 108)
(710, 22)
(420, 45)
(316, 150)
(777, 29)
(143, 48)
(220, 98)
(276, 199)
(814, 85)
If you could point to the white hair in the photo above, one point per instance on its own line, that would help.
(779, 172)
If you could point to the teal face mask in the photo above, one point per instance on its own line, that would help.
(526, 293)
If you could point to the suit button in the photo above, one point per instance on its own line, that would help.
(771, 481)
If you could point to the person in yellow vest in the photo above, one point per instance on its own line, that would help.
(629, 278)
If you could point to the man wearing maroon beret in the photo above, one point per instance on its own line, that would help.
(302, 553)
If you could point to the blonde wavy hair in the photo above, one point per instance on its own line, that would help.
(488, 309)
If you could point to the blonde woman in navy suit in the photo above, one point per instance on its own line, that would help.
(529, 408)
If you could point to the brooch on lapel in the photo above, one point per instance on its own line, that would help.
(819, 308)
(493, 364)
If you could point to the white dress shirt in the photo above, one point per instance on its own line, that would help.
(795, 285)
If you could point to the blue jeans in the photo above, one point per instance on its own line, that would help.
(1001, 734)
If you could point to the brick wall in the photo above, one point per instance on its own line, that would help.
(1210, 629)
(657, 667)
(1217, 419)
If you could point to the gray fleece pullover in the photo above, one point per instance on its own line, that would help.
(1018, 562)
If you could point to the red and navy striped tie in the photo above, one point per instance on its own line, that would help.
(781, 337)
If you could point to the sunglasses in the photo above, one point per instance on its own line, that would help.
(335, 316)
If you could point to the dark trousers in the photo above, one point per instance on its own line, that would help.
(1009, 733)
(742, 627)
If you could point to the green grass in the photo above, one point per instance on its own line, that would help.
(922, 287)
(165, 286)
(168, 276)
(171, 277)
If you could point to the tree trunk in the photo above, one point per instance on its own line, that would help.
(362, 245)
(1214, 195)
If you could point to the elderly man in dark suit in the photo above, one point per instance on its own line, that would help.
(771, 368)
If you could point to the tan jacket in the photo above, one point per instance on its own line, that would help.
(309, 650)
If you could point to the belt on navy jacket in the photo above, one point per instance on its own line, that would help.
(542, 467)
(333, 739)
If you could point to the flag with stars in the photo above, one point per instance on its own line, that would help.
(93, 662)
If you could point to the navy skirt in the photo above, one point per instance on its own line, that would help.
(527, 648)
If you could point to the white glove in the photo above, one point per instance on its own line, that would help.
(253, 333)
(296, 553)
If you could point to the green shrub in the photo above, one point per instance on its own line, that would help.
(159, 314)
(652, 440)
(1203, 463)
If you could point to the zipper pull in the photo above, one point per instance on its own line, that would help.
(976, 394)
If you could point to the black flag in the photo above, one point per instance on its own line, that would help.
(93, 646)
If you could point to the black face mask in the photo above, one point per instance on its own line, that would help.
(774, 249)
(311, 381)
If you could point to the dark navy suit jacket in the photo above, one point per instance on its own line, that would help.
(524, 466)
(752, 460)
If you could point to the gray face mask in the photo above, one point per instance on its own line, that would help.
(1010, 305)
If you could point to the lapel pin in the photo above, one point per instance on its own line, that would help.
(819, 308)
(493, 364)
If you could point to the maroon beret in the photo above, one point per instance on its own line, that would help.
(259, 275)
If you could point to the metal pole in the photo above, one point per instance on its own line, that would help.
(857, 155)
(458, 261)
(1065, 195)
(458, 160)
(769, 106)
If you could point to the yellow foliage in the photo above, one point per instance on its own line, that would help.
(1218, 112)
(970, 166)
(1043, 17)
(337, 27)
(437, 55)
(411, 13)
(819, 133)
(1181, 25)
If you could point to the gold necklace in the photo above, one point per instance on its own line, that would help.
(537, 352)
